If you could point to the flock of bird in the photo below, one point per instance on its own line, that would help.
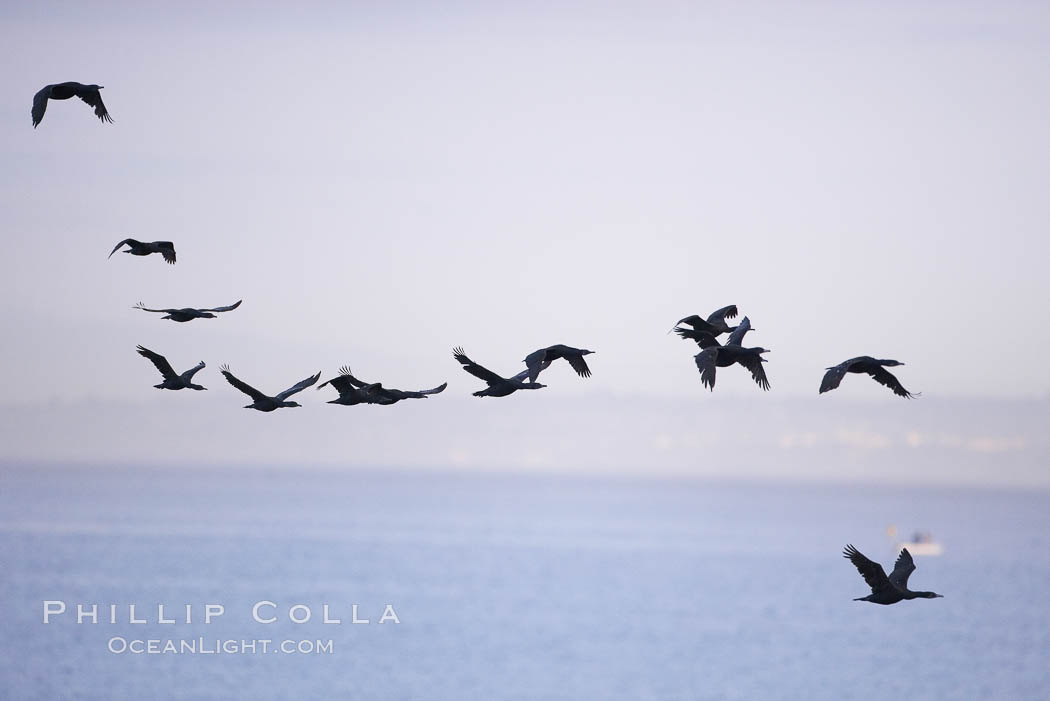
(714, 355)
(352, 391)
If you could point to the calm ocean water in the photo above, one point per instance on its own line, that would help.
(515, 587)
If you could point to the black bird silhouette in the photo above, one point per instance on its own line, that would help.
(540, 360)
(262, 402)
(188, 313)
(172, 380)
(705, 339)
(143, 248)
(714, 355)
(871, 366)
(886, 590)
(715, 324)
(353, 391)
(497, 386)
(64, 91)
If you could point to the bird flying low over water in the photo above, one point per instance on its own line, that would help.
(497, 386)
(172, 380)
(261, 402)
(353, 391)
(714, 355)
(715, 324)
(886, 590)
(188, 313)
(540, 360)
(872, 366)
(142, 248)
(64, 91)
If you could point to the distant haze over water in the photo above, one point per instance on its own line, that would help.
(832, 438)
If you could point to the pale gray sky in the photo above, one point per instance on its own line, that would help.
(380, 183)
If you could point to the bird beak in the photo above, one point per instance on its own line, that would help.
(939, 596)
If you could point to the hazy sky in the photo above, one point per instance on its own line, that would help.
(382, 182)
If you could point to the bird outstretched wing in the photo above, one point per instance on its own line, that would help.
(722, 314)
(40, 104)
(242, 386)
(224, 309)
(578, 364)
(833, 377)
(344, 383)
(698, 323)
(130, 242)
(702, 338)
(194, 370)
(167, 249)
(92, 97)
(474, 369)
(341, 383)
(753, 362)
(397, 394)
(872, 572)
(902, 569)
(298, 387)
(705, 363)
(887, 379)
(736, 336)
(159, 361)
(144, 308)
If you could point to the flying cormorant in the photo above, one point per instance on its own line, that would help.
(353, 391)
(188, 313)
(261, 402)
(867, 364)
(64, 91)
(144, 248)
(715, 324)
(497, 386)
(172, 380)
(714, 355)
(540, 360)
(886, 590)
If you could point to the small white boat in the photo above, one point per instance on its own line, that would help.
(921, 543)
(922, 548)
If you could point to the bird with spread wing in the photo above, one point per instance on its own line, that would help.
(262, 402)
(497, 386)
(189, 313)
(144, 248)
(172, 379)
(875, 367)
(540, 360)
(353, 391)
(714, 355)
(886, 590)
(64, 91)
(714, 325)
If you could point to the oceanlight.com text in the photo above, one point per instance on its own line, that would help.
(213, 646)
